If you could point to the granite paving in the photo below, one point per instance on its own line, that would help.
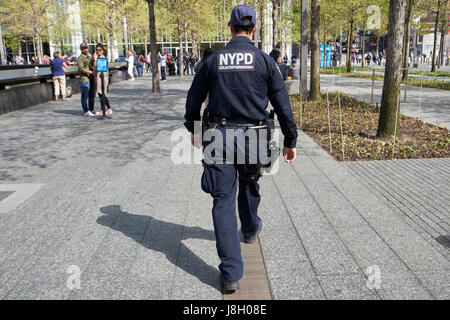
(115, 217)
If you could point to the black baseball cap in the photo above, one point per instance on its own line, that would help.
(239, 13)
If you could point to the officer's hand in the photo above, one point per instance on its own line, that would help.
(289, 154)
(195, 141)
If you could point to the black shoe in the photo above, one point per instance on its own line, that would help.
(253, 238)
(229, 286)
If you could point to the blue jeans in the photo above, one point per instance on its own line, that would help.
(140, 69)
(87, 93)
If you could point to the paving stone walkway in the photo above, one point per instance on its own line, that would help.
(113, 208)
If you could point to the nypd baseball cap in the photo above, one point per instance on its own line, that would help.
(239, 13)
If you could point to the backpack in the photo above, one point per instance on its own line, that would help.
(284, 70)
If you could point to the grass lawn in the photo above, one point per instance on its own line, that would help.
(359, 125)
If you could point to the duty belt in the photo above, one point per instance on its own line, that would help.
(223, 122)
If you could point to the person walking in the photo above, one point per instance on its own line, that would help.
(130, 61)
(163, 63)
(192, 62)
(186, 63)
(102, 80)
(140, 66)
(148, 62)
(87, 84)
(284, 69)
(206, 54)
(240, 80)
(57, 66)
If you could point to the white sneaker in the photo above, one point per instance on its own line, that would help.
(89, 114)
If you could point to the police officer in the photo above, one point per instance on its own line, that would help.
(240, 80)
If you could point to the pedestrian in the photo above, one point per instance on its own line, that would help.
(294, 71)
(240, 80)
(130, 61)
(206, 54)
(192, 62)
(140, 66)
(87, 84)
(368, 58)
(163, 63)
(283, 68)
(136, 62)
(57, 66)
(19, 60)
(148, 62)
(102, 84)
(186, 63)
(294, 59)
(46, 59)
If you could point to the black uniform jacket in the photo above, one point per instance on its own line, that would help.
(240, 80)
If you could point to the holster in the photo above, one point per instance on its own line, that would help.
(273, 149)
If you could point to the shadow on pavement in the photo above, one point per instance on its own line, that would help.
(444, 240)
(71, 112)
(164, 237)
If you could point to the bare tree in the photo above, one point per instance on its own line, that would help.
(392, 76)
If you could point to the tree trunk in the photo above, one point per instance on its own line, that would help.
(180, 44)
(274, 23)
(38, 47)
(186, 37)
(304, 48)
(441, 47)
(406, 38)
(378, 43)
(262, 16)
(349, 46)
(436, 24)
(392, 76)
(156, 87)
(314, 93)
(324, 49)
(363, 45)
(131, 41)
(19, 48)
(340, 47)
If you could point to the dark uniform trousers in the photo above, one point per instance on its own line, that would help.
(222, 180)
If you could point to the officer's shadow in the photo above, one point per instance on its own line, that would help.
(164, 237)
